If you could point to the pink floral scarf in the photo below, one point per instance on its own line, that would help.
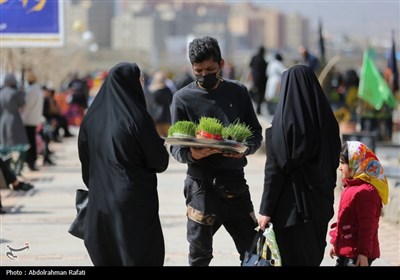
(366, 166)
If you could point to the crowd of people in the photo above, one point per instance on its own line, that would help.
(340, 87)
(33, 115)
(121, 150)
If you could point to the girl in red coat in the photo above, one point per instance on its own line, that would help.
(365, 188)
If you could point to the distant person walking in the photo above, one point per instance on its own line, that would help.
(308, 59)
(275, 70)
(159, 98)
(32, 116)
(258, 66)
(12, 130)
(120, 153)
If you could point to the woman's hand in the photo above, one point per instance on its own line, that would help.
(263, 222)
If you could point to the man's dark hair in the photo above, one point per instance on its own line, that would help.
(344, 153)
(203, 49)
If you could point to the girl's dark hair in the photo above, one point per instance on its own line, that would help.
(203, 49)
(344, 153)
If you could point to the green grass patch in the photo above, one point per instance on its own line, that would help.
(237, 131)
(210, 125)
(182, 129)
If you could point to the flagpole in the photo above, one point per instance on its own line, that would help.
(321, 42)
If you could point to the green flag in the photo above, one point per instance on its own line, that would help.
(373, 87)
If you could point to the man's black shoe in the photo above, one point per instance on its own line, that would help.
(23, 187)
(48, 161)
(33, 167)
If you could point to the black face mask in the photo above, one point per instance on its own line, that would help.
(208, 81)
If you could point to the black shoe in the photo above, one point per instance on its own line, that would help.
(22, 186)
(33, 167)
(48, 161)
(2, 211)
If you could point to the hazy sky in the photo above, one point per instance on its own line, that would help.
(372, 19)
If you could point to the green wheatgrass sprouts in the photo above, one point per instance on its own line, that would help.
(237, 131)
(182, 128)
(210, 125)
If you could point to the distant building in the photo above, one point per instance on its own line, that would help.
(297, 32)
(100, 15)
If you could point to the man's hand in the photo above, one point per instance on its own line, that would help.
(233, 155)
(199, 153)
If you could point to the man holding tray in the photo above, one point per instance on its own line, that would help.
(215, 187)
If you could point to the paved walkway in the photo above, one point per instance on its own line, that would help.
(40, 218)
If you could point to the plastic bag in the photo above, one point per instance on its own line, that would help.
(270, 241)
(253, 256)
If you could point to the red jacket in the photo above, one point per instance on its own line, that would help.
(356, 230)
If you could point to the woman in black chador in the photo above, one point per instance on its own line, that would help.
(303, 148)
(121, 152)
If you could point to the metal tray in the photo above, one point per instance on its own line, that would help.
(224, 145)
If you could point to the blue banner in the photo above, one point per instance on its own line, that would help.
(31, 22)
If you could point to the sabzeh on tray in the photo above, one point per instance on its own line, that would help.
(210, 132)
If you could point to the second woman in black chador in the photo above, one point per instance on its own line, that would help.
(303, 148)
